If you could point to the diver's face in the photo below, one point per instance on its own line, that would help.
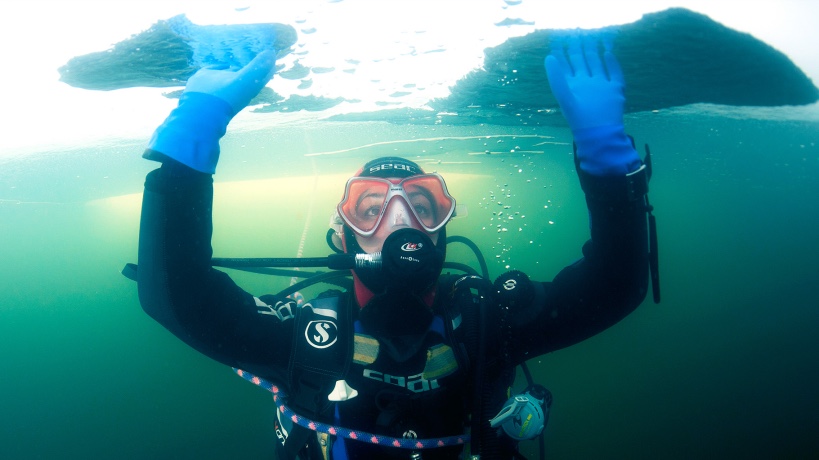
(397, 216)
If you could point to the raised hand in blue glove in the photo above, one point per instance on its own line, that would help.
(592, 103)
(191, 133)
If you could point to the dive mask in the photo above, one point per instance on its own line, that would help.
(366, 200)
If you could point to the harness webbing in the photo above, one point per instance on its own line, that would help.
(279, 397)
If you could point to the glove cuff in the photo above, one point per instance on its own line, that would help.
(605, 151)
(630, 187)
(191, 133)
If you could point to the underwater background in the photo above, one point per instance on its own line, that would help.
(724, 367)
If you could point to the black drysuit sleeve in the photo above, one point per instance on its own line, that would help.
(179, 288)
(594, 293)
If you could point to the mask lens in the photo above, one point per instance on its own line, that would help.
(364, 202)
(429, 200)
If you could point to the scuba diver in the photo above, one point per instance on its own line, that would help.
(407, 361)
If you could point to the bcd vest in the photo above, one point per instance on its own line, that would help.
(404, 387)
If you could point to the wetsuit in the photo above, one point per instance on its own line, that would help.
(207, 310)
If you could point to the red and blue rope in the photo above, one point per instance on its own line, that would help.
(279, 398)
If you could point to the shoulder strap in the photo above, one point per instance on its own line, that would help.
(489, 373)
(321, 355)
(321, 352)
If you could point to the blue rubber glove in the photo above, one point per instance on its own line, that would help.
(592, 104)
(191, 133)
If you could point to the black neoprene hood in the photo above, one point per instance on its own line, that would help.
(390, 167)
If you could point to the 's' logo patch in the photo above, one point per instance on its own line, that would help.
(321, 334)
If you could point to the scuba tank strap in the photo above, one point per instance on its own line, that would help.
(474, 296)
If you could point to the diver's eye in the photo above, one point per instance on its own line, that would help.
(423, 209)
(369, 207)
(371, 211)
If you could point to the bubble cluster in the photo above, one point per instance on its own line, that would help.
(507, 203)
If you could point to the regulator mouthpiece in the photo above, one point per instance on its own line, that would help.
(410, 260)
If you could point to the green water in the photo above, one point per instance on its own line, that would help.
(724, 367)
